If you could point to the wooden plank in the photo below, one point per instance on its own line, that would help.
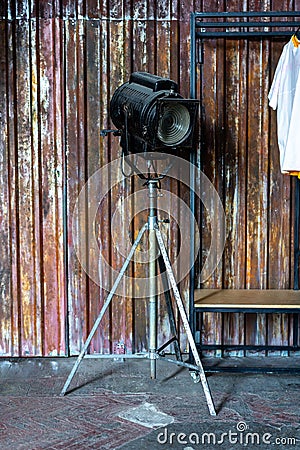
(247, 298)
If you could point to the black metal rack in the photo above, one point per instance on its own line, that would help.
(240, 25)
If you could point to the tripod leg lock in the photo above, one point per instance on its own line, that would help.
(152, 222)
(153, 354)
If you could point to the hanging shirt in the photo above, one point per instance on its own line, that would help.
(284, 96)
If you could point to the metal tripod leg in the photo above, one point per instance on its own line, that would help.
(171, 315)
(185, 321)
(104, 308)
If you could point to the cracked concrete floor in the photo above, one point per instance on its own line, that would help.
(113, 405)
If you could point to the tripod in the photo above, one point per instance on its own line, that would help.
(155, 238)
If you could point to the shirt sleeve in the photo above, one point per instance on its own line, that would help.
(275, 87)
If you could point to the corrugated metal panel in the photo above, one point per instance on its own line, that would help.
(32, 213)
(61, 62)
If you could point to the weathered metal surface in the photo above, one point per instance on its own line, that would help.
(32, 131)
(75, 166)
(5, 234)
(240, 155)
(60, 63)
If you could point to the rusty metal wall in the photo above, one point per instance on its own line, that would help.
(60, 63)
(33, 301)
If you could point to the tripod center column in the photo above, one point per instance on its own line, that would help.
(152, 223)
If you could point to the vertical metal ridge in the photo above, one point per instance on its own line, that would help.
(65, 200)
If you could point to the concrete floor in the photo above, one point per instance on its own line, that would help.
(114, 405)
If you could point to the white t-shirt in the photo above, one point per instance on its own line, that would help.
(284, 96)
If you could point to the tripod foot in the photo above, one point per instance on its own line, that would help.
(195, 376)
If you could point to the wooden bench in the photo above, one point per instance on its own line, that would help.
(247, 301)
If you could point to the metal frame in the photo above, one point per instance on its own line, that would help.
(246, 25)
